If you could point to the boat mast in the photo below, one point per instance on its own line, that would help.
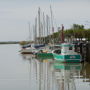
(33, 33)
(47, 18)
(35, 30)
(52, 27)
(51, 17)
(39, 26)
(29, 31)
(62, 34)
(43, 28)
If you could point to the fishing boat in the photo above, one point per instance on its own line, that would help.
(67, 54)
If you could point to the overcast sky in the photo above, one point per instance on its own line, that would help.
(15, 15)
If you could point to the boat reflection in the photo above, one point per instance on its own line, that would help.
(45, 75)
(65, 74)
(50, 75)
(27, 56)
(41, 75)
(85, 73)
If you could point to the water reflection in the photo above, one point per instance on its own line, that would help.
(27, 56)
(85, 72)
(65, 75)
(46, 74)
(25, 72)
(41, 75)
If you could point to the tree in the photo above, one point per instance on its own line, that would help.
(77, 26)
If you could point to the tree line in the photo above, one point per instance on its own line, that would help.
(76, 32)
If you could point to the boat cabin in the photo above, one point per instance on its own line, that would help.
(66, 48)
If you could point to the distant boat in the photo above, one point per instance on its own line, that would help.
(67, 54)
(39, 46)
(30, 50)
(26, 46)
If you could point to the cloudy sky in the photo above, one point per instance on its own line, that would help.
(15, 15)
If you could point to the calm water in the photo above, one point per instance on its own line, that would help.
(24, 72)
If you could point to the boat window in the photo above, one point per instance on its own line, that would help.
(70, 48)
(51, 47)
(57, 47)
(57, 51)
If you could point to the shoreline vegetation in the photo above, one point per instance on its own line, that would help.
(9, 42)
(16, 42)
(75, 32)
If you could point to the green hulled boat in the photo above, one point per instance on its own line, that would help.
(44, 55)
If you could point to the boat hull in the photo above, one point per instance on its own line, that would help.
(27, 51)
(67, 58)
(44, 55)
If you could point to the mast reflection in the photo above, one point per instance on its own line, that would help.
(65, 75)
(46, 74)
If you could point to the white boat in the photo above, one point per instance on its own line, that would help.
(31, 49)
(28, 50)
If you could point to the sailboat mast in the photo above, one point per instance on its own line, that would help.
(39, 25)
(43, 28)
(48, 28)
(52, 27)
(47, 25)
(29, 31)
(51, 17)
(35, 30)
